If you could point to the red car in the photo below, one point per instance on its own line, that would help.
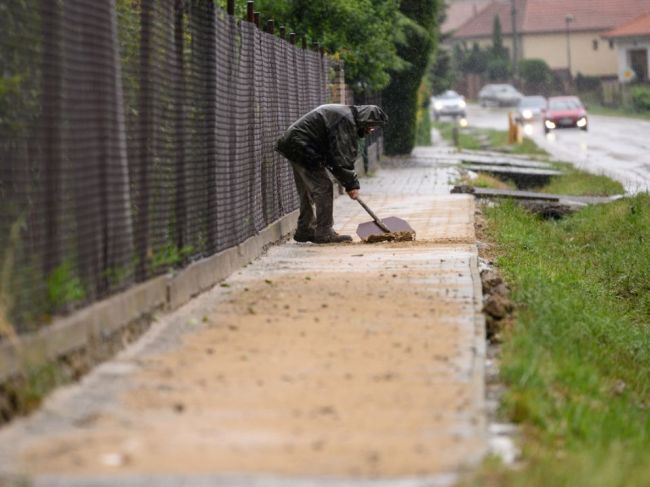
(564, 112)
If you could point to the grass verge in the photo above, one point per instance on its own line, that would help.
(474, 138)
(577, 362)
(574, 181)
(581, 183)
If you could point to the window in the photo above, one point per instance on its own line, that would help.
(594, 44)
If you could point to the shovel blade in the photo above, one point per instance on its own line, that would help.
(394, 224)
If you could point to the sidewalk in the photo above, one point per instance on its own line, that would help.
(315, 365)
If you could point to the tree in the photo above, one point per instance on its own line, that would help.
(475, 62)
(498, 64)
(441, 73)
(361, 32)
(416, 28)
(536, 75)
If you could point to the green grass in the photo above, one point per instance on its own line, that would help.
(486, 181)
(574, 181)
(580, 183)
(497, 140)
(596, 109)
(577, 362)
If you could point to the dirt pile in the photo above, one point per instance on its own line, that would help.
(497, 305)
(391, 237)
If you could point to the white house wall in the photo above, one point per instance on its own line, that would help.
(584, 59)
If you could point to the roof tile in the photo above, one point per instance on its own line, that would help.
(538, 16)
(639, 26)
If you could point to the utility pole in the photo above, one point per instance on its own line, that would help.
(513, 14)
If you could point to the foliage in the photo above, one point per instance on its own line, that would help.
(170, 256)
(496, 140)
(441, 72)
(535, 71)
(363, 33)
(576, 182)
(498, 63)
(576, 361)
(640, 98)
(475, 61)
(441, 75)
(400, 97)
(19, 74)
(498, 69)
(64, 287)
(423, 132)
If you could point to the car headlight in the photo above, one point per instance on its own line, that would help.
(462, 104)
(582, 122)
(527, 114)
(437, 105)
(549, 124)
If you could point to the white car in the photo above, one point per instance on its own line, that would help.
(448, 104)
(501, 95)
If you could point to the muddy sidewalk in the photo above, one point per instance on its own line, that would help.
(315, 365)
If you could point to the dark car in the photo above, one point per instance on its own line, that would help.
(530, 108)
(565, 112)
(501, 95)
(449, 104)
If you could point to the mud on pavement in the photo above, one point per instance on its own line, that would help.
(351, 361)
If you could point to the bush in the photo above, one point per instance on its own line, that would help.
(498, 69)
(641, 98)
(535, 72)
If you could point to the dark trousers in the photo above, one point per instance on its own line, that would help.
(316, 199)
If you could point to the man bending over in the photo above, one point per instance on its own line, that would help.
(326, 139)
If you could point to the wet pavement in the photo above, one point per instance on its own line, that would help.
(615, 146)
(336, 365)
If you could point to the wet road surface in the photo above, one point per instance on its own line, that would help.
(615, 146)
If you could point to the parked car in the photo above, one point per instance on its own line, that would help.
(449, 104)
(565, 112)
(530, 108)
(500, 95)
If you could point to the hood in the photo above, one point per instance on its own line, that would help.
(568, 113)
(369, 116)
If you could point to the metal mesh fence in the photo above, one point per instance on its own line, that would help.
(135, 136)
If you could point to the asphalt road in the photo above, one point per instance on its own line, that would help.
(615, 146)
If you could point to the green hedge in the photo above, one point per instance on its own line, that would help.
(641, 98)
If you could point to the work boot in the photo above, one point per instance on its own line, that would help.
(331, 237)
(303, 236)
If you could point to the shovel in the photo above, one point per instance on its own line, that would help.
(391, 228)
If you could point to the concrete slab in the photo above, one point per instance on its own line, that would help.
(325, 365)
(532, 195)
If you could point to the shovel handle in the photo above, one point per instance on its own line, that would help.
(374, 217)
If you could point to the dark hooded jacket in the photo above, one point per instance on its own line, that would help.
(328, 137)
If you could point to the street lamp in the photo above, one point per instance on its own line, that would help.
(567, 20)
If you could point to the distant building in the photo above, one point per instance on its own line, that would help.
(632, 41)
(568, 34)
(460, 11)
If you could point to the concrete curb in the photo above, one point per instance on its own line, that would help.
(91, 325)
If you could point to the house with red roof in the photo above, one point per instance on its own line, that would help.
(457, 12)
(570, 35)
(632, 40)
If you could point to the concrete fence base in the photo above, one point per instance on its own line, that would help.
(88, 327)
